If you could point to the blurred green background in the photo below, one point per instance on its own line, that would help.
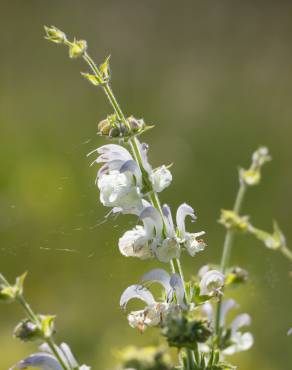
(215, 77)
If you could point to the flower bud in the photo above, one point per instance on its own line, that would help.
(27, 331)
(8, 292)
(236, 275)
(136, 125)
(252, 176)
(232, 220)
(55, 35)
(77, 48)
(274, 241)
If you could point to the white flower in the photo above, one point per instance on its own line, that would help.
(45, 360)
(154, 312)
(237, 341)
(118, 190)
(188, 240)
(211, 283)
(193, 245)
(168, 250)
(160, 178)
(134, 243)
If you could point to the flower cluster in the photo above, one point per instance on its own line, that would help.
(126, 186)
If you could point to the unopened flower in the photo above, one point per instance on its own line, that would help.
(160, 178)
(211, 283)
(232, 220)
(276, 240)
(28, 331)
(55, 35)
(77, 48)
(252, 176)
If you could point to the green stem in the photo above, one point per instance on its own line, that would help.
(227, 247)
(287, 253)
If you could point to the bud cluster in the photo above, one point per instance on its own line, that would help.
(252, 176)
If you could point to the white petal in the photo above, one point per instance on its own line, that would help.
(159, 276)
(178, 286)
(134, 243)
(168, 221)
(207, 309)
(168, 250)
(154, 216)
(43, 361)
(113, 151)
(160, 178)
(240, 321)
(227, 305)
(211, 282)
(182, 212)
(132, 166)
(68, 355)
(242, 342)
(136, 291)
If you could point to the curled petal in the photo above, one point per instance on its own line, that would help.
(211, 282)
(143, 148)
(132, 166)
(227, 305)
(153, 215)
(182, 212)
(159, 276)
(111, 152)
(178, 286)
(241, 320)
(136, 291)
(43, 361)
(169, 221)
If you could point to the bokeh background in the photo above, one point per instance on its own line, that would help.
(215, 77)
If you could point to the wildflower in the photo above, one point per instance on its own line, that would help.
(211, 283)
(119, 179)
(232, 339)
(160, 178)
(154, 312)
(46, 360)
(135, 243)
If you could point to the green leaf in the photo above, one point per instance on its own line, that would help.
(91, 78)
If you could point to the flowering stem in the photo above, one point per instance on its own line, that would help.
(227, 247)
(134, 144)
(33, 317)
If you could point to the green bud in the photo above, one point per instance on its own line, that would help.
(55, 35)
(8, 292)
(274, 241)
(27, 331)
(232, 220)
(236, 275)
(135, 124)
(47, 325)
(252, 176)
(77, 48)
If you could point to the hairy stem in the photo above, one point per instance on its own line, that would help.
(227, 247)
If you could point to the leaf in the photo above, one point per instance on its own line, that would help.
(91, 78)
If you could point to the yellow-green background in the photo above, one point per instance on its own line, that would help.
(215, 77)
